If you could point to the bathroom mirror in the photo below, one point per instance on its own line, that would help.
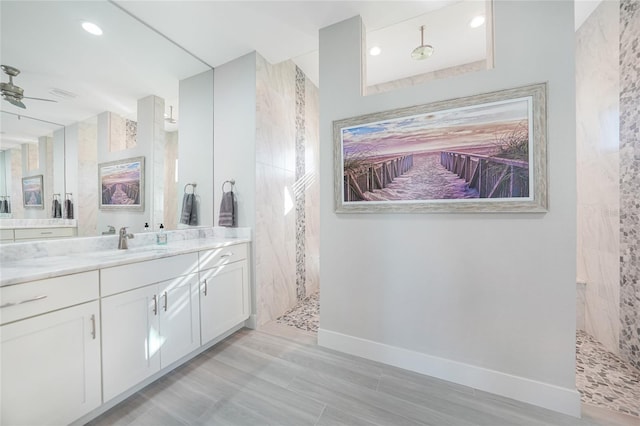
(29, 147)
(90, 88)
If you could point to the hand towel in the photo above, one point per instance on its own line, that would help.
(189, 215)
(68, 209)
(228, 210)
(3, 206)
(7, 206)
(56, 209)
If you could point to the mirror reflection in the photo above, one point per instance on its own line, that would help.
(74, 100)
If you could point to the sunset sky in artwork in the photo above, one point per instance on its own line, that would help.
(447, 129)
(121, 173)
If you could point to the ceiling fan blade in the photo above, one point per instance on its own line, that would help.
(14, 101)
(39, 99)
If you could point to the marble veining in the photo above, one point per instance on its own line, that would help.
(15, 190)
(312, 188)
(286, 186)
(425, 77)
(630, 181)
(22, 262)
(597, 164)
(87, 178)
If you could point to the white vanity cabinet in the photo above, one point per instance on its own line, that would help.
(37, 233)
(224, 290)
(150, 319)
(50, 350)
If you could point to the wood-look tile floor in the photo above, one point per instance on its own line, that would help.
(279, 376)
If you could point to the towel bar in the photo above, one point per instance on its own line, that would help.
(232, 182)
(193, 188)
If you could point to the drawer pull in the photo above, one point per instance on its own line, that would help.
(93, 327)
(205, 287)
(166, 301)
(155, 305)
(6, 305)
(227, 254)
(46, 232)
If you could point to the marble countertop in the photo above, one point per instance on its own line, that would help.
(37, 226)
(24, 270)
(37, 223)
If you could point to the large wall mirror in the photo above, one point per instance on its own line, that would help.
(89, 101)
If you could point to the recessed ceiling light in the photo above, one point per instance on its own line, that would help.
(375, 51)
(92, 28)
(477, 21)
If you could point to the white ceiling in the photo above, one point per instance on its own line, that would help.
(45, 41)
(130, 61)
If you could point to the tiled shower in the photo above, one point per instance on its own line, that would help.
(608, 187)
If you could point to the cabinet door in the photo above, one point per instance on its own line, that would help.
(179, 318)
(224, 300)
(51, 367)
(130, 339)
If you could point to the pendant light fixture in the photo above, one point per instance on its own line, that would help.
(424, 50)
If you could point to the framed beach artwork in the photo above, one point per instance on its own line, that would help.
(32, 195)
(121, 184)
(483, 153)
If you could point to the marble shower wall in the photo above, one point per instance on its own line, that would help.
(630, 181)
(286, 113)
(312, 188)
(597, 112)
(86, 195)
(171, 199)
(15, 191)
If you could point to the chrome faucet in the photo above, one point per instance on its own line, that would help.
(122, 241)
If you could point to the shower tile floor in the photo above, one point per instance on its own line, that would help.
(602, 379)
(605, 380)
(305, 315)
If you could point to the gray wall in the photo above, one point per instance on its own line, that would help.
(195, 148)
(487, 300)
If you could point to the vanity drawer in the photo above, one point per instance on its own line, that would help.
(134, 275)
(38, 297)
(39, 233)
(6, 234)
(223, 255)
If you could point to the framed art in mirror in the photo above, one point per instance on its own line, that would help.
(32, 195)
(482, 153)
(121, 184)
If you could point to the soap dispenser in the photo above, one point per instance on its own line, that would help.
(146, 227)
(161, 237)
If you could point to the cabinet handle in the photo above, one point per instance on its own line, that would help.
(6, 305)
(93, 327)
(155, 305)
(46, 232)
(166, 301)
(227, 254)
(205, 287)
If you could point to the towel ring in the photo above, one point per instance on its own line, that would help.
(193, 188)
(231, 182)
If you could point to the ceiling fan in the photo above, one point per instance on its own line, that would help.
(12, 93)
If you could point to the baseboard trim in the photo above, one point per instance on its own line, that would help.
(552, 397)
(251, 322)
